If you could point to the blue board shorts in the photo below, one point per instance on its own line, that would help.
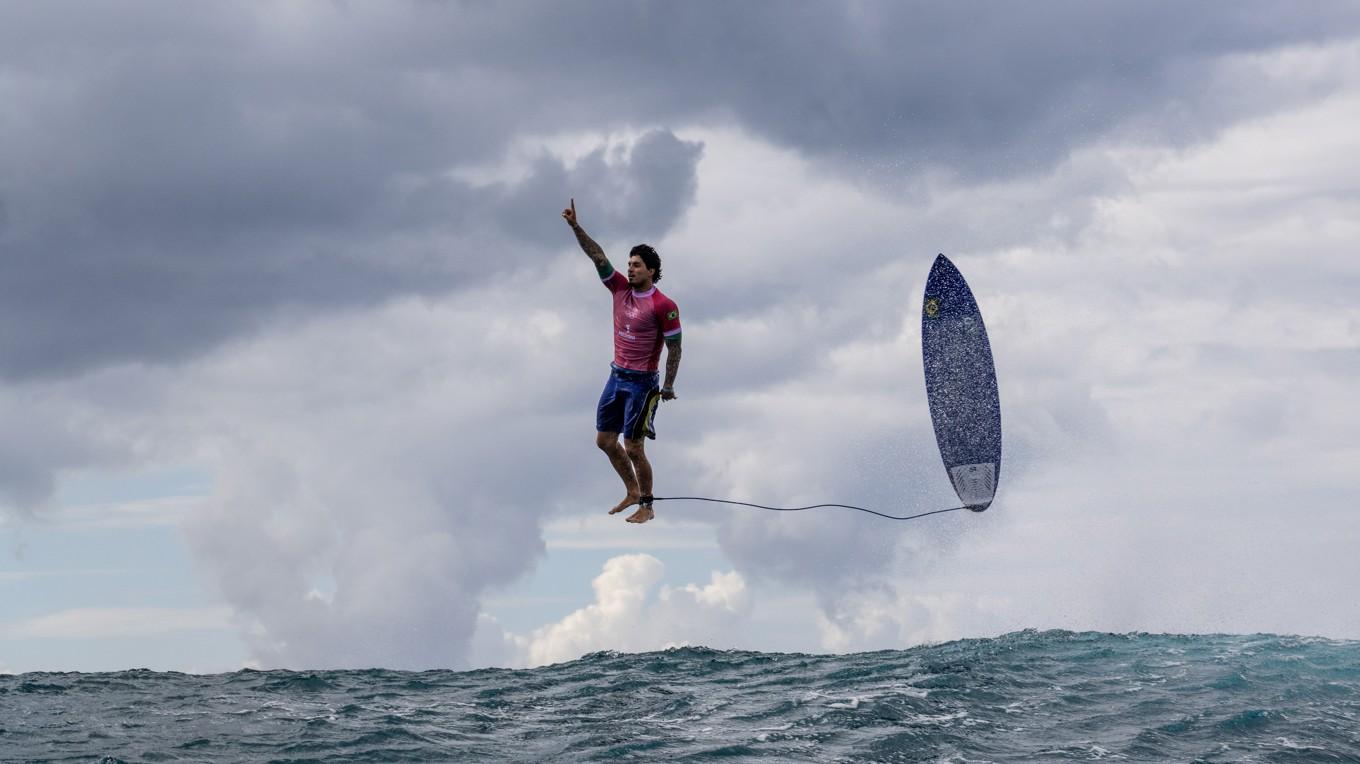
(628, 404)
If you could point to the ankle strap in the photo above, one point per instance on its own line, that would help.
(646, 500)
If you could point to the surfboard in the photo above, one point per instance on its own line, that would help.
(961, 388)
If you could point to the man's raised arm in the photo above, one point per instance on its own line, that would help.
(588, 244)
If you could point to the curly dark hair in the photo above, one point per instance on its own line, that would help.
(649, 258)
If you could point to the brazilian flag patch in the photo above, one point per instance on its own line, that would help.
(933, 307)
(671, 316)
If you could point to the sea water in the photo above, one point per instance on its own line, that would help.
(1027, 696)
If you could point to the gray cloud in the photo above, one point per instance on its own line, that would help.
(45, 431)
(173, 184)
(154, 274)
(172, 179)
(981, 88)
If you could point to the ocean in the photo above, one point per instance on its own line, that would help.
(1028, 696)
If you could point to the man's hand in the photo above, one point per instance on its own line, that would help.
(667, 393)
(569, 214)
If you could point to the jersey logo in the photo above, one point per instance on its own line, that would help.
(671, 316)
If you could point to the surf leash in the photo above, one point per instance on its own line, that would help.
(800, 509)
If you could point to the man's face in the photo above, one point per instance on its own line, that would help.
(638, 272)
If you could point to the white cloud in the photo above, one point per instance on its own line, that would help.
(631, 614)
(896, 618)
(493, 646)
(100, 623)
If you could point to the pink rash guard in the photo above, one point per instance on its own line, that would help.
(642, 322)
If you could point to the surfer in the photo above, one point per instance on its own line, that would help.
(644, 320)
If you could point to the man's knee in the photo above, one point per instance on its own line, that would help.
(633, 447)
(607, 441)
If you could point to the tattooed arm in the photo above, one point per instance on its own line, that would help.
(672, 367)
(593, 250)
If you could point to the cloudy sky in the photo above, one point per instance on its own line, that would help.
(298, 362)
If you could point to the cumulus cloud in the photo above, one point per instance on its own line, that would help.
(351, 532)
(631, 614)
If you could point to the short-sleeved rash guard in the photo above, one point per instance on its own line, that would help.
(642, 323)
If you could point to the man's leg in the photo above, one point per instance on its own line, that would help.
(609, 444)
(643, 469)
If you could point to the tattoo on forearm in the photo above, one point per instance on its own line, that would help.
(588, 244)
(672, 362)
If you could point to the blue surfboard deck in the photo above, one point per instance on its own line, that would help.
(961, 388)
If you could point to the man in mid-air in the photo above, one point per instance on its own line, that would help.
(644, 320)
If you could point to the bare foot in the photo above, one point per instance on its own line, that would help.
(643, 514)
(628, 501)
